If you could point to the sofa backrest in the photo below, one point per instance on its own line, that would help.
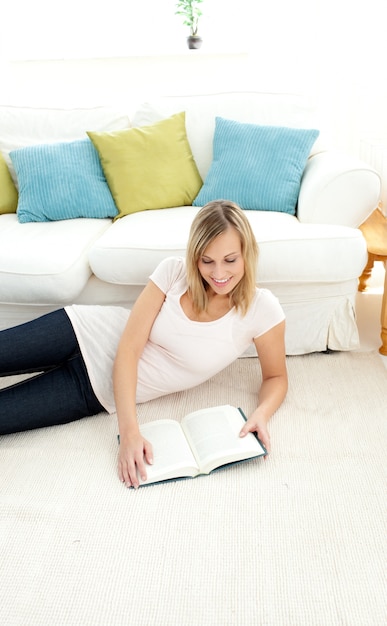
(22, 126)
(250, 107)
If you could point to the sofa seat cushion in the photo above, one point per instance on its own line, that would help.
(45, 263)
(289, 251)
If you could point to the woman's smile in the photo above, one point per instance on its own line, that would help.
(221, 283)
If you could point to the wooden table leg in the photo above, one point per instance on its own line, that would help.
(374, 230)
(383, 317)
(366, 273)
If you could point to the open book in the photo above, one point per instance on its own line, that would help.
(202, 442)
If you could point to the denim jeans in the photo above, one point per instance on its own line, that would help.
(61, 392)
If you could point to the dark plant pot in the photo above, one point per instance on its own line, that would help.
(194, 42)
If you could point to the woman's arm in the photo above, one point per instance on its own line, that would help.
(271, 352)
(133, 447)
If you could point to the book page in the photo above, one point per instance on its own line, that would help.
(213, 435)
(172, 455)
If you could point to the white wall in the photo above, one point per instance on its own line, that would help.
(334, 51)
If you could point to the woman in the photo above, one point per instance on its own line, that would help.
(192, 319)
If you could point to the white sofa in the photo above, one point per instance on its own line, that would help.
(310, 261)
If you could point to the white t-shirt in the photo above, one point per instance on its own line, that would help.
(180, 353)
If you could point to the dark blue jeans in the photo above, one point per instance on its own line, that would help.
(61, 392)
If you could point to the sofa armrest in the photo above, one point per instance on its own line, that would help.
(337, 189)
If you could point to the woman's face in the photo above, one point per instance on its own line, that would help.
(222, 265)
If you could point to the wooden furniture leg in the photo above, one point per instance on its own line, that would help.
(383, 317)
(366, 273)
(374, 230)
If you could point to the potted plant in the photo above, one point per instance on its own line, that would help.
(190, 11)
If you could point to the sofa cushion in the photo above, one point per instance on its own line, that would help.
(290, 252)
(150, 167)
(258, 167)
(61, 181)
(45, 263)
(8, 191)
(28, 126)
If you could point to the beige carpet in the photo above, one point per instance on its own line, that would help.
(298, 539)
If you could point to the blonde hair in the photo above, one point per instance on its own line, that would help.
(212, 220)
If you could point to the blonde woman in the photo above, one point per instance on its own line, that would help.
(194, 317)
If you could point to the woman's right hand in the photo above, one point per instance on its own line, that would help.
(132, 456)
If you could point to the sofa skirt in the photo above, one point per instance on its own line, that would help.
(318, 317)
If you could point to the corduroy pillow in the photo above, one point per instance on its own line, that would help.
(8, 192)
(149, 167)
(258, 167)
(61, 181)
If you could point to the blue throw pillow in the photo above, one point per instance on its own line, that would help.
(61, 181)
(258, 167)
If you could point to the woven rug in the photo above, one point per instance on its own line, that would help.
(297, 539)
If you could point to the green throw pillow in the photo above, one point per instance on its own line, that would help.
(149, 167)
(8, 192)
